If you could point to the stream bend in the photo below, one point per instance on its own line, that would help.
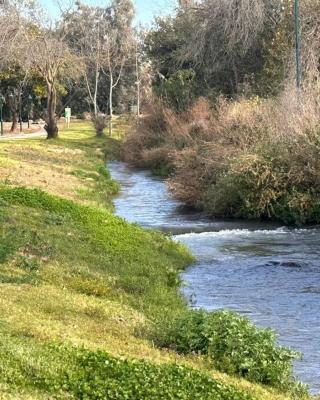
(262, 270)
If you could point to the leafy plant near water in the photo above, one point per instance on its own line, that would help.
(263, 186)
(64, 372)
(236, 346)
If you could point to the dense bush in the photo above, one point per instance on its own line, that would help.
(260, 187)
(234, 345)
(143, 145)
(100, 122)
(247, 158)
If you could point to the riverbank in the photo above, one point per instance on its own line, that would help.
(235, 158)
(80, 287)
(265, 272)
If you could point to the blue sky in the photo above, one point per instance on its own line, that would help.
(146, 9)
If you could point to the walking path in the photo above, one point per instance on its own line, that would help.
(39, 134)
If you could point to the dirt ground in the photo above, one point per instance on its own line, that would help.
(33, 128)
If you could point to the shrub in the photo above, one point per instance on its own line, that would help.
(247, 158)
(100, 122)
(234, 345)
(274, 182)
(158, 160)
(148, 133)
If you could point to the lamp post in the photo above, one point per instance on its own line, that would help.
(2, 101)
(298, 43)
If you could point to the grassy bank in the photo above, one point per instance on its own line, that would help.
(81, 289)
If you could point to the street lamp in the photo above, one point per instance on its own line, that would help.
(2, 101)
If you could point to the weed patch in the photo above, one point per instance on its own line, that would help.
(67, 372)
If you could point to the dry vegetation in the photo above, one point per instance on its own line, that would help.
(251, 158)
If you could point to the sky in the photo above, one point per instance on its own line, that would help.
(145, 9)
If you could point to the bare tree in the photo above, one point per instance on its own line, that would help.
(310, 29)
(117, 45)
(48, 54)
(226, 24)
(86, 40)
(13, 14)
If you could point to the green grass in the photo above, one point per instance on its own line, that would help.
(73, 273)
(64, 371)
(140, 263)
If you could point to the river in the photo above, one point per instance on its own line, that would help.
(264, 271)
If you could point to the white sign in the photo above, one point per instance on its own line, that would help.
(67, 114)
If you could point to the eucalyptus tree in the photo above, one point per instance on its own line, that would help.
(103, 38)
(83, 29)
(118, 45)
(229, 47)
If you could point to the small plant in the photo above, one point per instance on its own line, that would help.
(3, 203)
(234, 345)
(100, 122)
(55, 219)
(28, 263)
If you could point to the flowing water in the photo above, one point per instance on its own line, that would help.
(269, 273)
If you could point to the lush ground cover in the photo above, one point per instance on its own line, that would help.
(83, 293)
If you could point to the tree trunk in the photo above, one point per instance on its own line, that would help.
(95, 105)
(14, 124)
(138, 81)
(13, 109)
(111, 105)
(51, 121)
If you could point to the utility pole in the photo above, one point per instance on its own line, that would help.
(298, 43)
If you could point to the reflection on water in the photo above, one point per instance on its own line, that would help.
(269, 273)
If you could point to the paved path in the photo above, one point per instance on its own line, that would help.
(39, 134)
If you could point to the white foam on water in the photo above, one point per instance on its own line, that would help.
(229, 233)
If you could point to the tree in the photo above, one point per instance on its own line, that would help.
(10, 15)
(117, 45)
(13, 15)
(86, 41)
(106, 45)
(238, 47)
(48, 54)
